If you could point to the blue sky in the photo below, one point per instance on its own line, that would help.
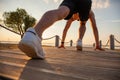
(106, 11)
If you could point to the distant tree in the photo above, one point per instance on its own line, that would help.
(29, 21)
(0, 20)
(18, 20)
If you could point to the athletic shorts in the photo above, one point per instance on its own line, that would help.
(78, 6)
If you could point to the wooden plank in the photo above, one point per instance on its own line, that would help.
(62, 64)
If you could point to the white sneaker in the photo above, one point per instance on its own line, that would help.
(31, 44)
(79, 45)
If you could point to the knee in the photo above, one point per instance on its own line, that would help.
(53, 14)
(50, 13)
(59, 13)
(83, 23)
(62, 12)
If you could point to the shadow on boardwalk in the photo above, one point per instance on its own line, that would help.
(61, 64)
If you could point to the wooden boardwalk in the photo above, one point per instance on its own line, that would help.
(61, 64)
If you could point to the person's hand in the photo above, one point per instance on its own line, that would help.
(98, 48)
(62, 46)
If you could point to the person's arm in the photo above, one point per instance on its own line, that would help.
(68, 23)
(95, 29)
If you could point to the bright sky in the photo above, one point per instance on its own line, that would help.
(106, 11)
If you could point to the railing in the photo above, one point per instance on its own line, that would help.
(57, 40)
(9, 29)
(111, 42)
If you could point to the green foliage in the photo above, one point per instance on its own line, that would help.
(18, 20)
(29, 21)
(0, 20)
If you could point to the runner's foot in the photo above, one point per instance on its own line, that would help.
(79, 45)
(30, 44)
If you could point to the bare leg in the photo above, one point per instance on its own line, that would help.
(82, 30)
(50, 17)
(31, 43)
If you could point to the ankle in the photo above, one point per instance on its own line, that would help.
(79, 40)
(38, 33)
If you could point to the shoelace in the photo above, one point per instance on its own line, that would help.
(31, 32)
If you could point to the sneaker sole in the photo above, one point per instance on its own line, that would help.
(79, 48)
(28, 50)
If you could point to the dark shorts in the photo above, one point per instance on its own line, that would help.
(78, 6)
